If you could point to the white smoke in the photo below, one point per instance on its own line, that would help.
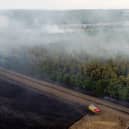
(3, 21)
(28, 28)
(55, 29)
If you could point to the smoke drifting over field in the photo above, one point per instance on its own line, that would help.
(96, 32)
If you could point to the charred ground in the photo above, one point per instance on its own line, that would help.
(26, 109)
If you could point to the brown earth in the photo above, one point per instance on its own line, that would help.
(105, 120)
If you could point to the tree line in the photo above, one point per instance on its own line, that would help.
(101, 77)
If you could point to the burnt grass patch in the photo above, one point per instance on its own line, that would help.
(22, 108)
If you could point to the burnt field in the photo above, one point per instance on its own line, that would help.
(22, 108)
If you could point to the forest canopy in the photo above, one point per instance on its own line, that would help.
(101, 77)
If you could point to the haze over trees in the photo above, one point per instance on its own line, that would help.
(81, 49)
(101, 77)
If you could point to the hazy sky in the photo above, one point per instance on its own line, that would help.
(64, 4)
(34, 28)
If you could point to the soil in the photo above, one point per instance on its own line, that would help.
(22, 108)
(104, 120)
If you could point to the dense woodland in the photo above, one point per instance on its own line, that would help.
(99, 76)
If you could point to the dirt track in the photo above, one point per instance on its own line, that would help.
(62, 93)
